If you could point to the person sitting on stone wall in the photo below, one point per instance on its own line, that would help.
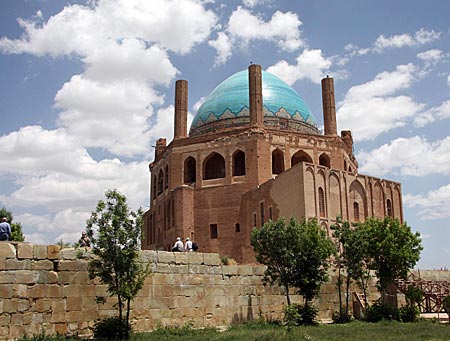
(188, 245)
(84, 240)
(178, 246)
(5, 229)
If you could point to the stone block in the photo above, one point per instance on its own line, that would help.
(195, 258)
(73, 304)
(60, 328)
(181, 257)
(16, 319)
(5, 319)
(10, 305)
(26, 276)
(40, 251)
(20, 290)
(27, 317)
(44, 264)
(23, 305)
(7, 277)
(230, 270)
(68, 265)
(163, 268)
(7, 250)
(2, 264)
(6, 291)
(166, 257)
(58, 316)
(53, 251)
(179, 269)
(149, 256)
(24, 251)
(244, 270)
(211, 259)
(15, 264)
(68, 253)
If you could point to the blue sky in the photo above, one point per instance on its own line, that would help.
(87, 87)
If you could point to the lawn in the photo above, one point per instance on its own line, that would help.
(424, 330)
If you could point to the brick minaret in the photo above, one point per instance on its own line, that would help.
(181, 109)
(255, 95)
(329, 106)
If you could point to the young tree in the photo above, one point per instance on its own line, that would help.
(115, 233)
(296, 255)
(16, 228)
(393, 248)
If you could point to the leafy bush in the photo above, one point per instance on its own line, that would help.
(227, 260)
(298, 315)
(112, 328)
(379, 311)
(408, 314)
(341, 317)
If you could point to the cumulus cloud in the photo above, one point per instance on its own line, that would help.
(311, 64)
(431, 205)
(253, 3)
(434, 114)
(244, 27)
(414, 156)
(372, 108)
(421, 37)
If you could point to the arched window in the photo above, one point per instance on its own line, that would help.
(160, 181)
(321, 202)
(238, 163)
(355, 211)
(389, 207)
(190, 172)
(300, 156)
(166, 178)
(324, 160)
(214, 167)
(277, 161)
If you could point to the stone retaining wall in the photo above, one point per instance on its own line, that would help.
(45, 289)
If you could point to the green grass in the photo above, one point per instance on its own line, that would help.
(259, 331)
(424, 330)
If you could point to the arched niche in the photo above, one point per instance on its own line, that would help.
(324, 160)
(300, 156)
(166, 177)
(190, 170)
(160, 181)
(277, 161)
(378, 201)
(214, 167)
(357, 201)
(238, 163)
(334, 196)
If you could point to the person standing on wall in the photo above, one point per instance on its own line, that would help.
(5, 229)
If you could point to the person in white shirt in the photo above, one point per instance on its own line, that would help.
(178, 246)
(188, 245)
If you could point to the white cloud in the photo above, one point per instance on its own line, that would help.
(310, 65)
(437, 113)
(370, 109)
(448, 80)
(223, 46)
(91, 26)
(164, 125)
(413, 156)
(421, 37)
(253, 3)
(431, 56)
(431, 205)
(243, 27)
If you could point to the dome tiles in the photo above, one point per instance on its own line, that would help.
(228, 105)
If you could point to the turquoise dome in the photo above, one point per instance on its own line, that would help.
(229, 104)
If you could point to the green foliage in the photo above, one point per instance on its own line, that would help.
(380, 311)
(16, 228)
(341, 317)
(227, 260)
(115, 234)
(393, 248)
(112, 328)
(446, 305)
(413, 295)
(300, 315)
(295, 253)
(408, 313)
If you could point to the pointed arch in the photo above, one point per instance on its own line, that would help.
(378, 201)
(334, 197)
(214, 167)
(238, 163)
(322, 212)
(277, 161)
(190, 170)
(357, 200)
(166, 177)
(160, 181)
(389, 208)
(324, 160)
(300, 156)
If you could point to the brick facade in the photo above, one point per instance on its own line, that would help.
(215, 186)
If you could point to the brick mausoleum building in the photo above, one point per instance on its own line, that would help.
(254, 153)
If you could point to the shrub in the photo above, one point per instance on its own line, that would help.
(379, 311)
(408, 314)
(112, 328)
(298, 315)
(341, 317)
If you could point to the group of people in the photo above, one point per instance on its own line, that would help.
(180, 247)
